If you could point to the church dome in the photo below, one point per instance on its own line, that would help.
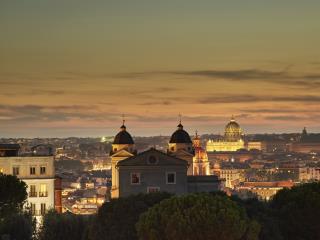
(233, 131)
(180, 136)
(123, 137)
(232, 126)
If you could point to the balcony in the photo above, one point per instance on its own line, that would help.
(43, 194)
(33, 194)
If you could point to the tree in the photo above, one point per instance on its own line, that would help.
(261, 212)
(297, 211)
(18, 226)
(13, 195)
(14, 223)
(116, 219)
(197, 216)
(64, 226)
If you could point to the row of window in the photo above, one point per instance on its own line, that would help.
(16, 170)
(43, 192)
(136, 178)
(35, 212)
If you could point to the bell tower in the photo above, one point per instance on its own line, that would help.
(122, 148)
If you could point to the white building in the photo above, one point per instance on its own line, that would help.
(39, 175)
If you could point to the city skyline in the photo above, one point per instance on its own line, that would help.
(72, 68)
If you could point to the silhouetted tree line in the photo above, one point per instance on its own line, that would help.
(291, 215)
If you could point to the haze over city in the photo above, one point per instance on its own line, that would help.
(72, 68)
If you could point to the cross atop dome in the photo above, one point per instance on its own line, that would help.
(180, 126)
(123, 127)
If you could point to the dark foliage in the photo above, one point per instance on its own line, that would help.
(197, 216)
(13, 195)
(261, 212)
(64, 227)
(18, 226)
(116, 219)
(297, 211)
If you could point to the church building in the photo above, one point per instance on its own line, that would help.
(232, 140)
(183, 168)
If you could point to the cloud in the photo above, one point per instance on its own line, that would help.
(284, 109)
(284, 77)
(256, 98)
(38, 113)
(285, 118)
(247, 74)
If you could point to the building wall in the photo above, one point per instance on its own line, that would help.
(204, 184)
(24, 164)
(227, 156)
(152, 176)
(47, 199)
(262, 146)
(224, 146)
(304, 147)
(231, 176)
(44, 180)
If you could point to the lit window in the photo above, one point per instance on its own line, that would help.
(43, 190)
(153, 189)
(171, 178)
(135, 178)
(42, 170)
(15, 171)
(32, 170)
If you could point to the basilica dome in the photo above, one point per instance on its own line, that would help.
(180, 136)
(233, 131)
(232, 126)
(123, 137)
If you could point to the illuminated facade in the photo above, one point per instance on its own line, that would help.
(201, 164)
(39, 175)
(231, 142)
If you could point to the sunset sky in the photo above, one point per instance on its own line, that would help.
(73, 67)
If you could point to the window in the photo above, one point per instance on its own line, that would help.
(42, 170)
(33, 192)
(172, 148)
(43, 209)
(153, 189)
(135, 178)
(43, 190)
(33, 208)
(171, 178)
(15, 171)
(32, 170)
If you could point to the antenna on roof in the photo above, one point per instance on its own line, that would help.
(180, 116)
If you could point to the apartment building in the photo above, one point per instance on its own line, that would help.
(36, 171)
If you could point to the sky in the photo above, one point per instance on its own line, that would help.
(73, 67)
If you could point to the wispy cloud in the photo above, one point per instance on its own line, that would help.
(257, 98)
(244, 75)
